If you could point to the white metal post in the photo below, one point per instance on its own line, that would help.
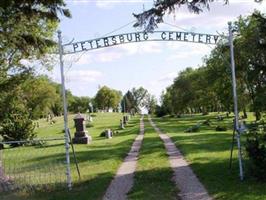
(67, 146)
(235, 100)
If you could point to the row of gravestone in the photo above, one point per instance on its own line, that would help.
(124, 121)
(82, 136)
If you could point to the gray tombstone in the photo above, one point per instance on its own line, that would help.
(81, 135)
(121, 124)
(124, 120)
(108, 134)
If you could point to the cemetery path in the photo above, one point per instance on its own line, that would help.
(124, 178)
(189, 185)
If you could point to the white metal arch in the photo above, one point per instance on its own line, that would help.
(114, 40)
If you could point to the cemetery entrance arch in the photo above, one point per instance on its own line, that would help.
(143, 36)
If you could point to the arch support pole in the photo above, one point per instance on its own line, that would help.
(67, 140)
(236, 120)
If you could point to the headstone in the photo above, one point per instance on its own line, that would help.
(124, 120)
(121, 124)
(108, 133)
(242, 127)
(81, 135)
(89, 118)
(48, 118)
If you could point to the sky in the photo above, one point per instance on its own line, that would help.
(153, 65)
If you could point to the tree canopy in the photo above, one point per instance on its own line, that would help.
(134, 99)
(107, 98)
(26, 35)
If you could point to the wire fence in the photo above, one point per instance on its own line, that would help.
(32, 165)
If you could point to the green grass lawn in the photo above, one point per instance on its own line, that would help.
(208, 153)
(98, 161)
(153, 176)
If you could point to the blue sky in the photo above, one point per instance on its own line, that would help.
(152, 65)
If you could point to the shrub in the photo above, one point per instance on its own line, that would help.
(256, 151)
(17, 126)
(220, 128)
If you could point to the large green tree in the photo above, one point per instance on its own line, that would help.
(40, 95)
(135, 99)
(251, 59)
(150, 103)
(107, 98)
(27, 28)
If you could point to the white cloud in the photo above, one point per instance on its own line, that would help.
(82, 58)
(104, 4)
(83, 76)
(107, 4)
(112, 54)
(167, 77)
(85, 58)
(188, 51)
(140, 48)
(108, 56)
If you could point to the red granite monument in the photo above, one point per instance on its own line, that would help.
(81, 135)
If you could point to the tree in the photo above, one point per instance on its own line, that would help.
(40, 96)
(107, 98)
(27, 29)
(26, 35)
(150, 103)
(80, 104)
(15, 120)
(153, 16)
(251, 58)
(139, 95)
(166, 103)
(127, 103)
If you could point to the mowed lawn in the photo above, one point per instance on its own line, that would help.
(208, 152)
(98, 161)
